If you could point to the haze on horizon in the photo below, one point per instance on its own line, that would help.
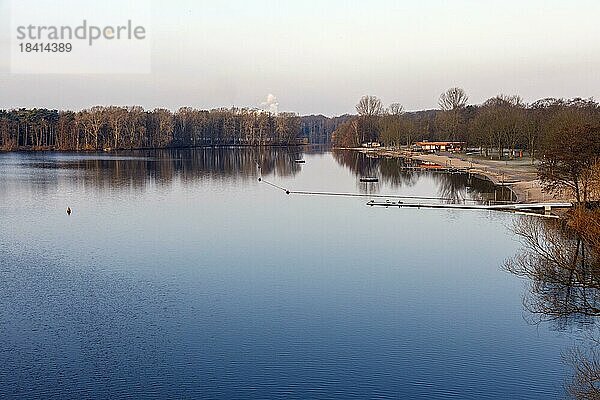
(319, 57)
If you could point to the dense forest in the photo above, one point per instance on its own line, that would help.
(318, 129)
(99, 128)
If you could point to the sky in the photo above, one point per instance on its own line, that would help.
(320, 57)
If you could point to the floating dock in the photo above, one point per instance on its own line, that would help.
(526, 207)
(369, 179)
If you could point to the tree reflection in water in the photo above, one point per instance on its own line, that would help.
(403, 172)
(135, 169)
(563, 271)
(389, 170)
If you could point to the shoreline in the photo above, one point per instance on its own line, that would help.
(200, 146)
(518, 175)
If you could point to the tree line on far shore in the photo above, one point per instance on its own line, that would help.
(501, 122)
(563, 135)
(113, 127)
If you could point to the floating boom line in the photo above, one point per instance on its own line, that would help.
(506, 206)
(345, 194)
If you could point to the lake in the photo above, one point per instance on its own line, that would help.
(180, 275)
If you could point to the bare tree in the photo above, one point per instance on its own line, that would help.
(393, 125)
(116, 120)
(93, 121)
(395, 109)
(135, 126)
(369, 109)
(571, 152)
(452, 102)
(453, 99)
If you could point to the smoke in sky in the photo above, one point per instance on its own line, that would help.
(271, 104)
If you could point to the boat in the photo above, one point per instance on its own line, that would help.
(369, 179)
(299, 161)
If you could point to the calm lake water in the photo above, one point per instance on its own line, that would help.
(179, 275)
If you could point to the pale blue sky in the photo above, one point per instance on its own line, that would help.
(321, 56)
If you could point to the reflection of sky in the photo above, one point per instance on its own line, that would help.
(264, 293)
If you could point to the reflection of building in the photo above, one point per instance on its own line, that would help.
(371, 144)
(439, 146)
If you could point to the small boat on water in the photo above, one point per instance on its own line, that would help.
(369, 179)
(299, 161)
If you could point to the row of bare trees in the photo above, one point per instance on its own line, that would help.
(114, 127)
(393, 126)
(500, 126)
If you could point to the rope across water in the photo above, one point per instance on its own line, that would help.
(344, 194)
